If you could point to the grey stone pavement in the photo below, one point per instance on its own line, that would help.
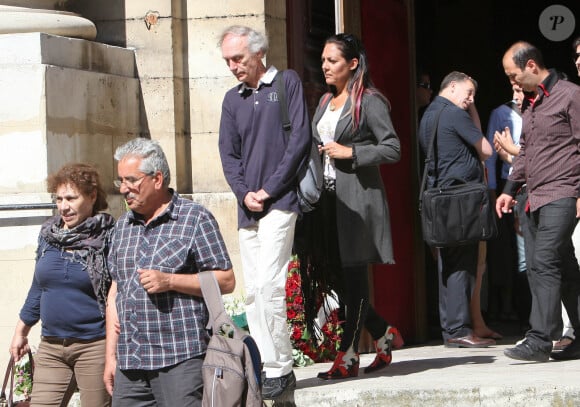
(432, 375)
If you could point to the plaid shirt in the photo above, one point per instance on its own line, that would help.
(159, 330)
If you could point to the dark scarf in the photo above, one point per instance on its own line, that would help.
(88, 242)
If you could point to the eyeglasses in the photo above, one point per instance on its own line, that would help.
(575, 56)
(424, 85)
(130, 182)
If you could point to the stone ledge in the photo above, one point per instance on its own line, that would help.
(74, 53)
(433, 375)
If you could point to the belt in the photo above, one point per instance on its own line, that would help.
(55, 340)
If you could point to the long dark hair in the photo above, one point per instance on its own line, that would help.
(360, 82)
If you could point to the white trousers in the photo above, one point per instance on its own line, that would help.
(265, 250)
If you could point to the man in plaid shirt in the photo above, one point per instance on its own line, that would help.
(157, 249)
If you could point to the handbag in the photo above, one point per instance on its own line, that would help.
(454, 215)
(310, 176)
(10, 372)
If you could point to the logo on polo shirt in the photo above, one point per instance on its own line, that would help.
(273, 97)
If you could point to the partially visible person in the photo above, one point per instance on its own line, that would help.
(568, 334)
(68, 293)
(461, 148)
(502, 250)
(576, 57)
(352, 125)
(423, 96)
(549, 164)
(156, 316)
(423, 92)
(507, 147)
(261, 164)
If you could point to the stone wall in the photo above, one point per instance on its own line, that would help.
(63, 100)
(166, 80)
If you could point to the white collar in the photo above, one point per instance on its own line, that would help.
(266, 79)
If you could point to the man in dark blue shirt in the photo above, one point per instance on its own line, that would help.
(261, 164)
(461, 148)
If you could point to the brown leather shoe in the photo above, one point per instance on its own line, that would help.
(469, 341)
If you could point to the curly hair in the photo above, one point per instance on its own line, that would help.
(84, 177)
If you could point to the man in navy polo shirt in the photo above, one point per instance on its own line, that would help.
(260, 165)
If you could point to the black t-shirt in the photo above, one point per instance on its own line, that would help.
(456, 137)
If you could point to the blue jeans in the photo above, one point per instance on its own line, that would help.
(552, 270)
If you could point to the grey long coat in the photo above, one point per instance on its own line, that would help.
(363, 224)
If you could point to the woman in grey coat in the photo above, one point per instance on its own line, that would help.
(354, 128)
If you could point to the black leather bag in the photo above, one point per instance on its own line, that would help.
(457, 215)
(454, 215)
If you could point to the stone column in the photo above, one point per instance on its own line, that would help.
(64, 99)
(24, 16)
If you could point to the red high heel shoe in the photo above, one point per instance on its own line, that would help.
(397, 340)
(392, 339)
(345, 365)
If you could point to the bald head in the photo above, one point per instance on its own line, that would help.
(524, 66)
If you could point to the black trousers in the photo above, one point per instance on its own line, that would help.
(553, 271)
(457, 273)
(358, 311)
(351, 283)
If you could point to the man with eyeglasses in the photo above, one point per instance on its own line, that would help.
(156, 336)
(549, 164)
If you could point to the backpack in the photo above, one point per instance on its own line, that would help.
(232, 366)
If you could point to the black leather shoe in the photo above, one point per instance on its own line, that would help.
(525, 351)
(570, 352)
(469, 341)
(274, 387)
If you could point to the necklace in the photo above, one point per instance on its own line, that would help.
(335, 103)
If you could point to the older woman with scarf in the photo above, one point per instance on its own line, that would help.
(353, 124)
(70, 284)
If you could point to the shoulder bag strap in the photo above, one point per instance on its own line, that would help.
(281, 90)
(9, 370)
(213, 299)
(431, 150)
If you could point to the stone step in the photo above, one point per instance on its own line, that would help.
(433, 375)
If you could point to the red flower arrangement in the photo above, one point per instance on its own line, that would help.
(303, 341)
